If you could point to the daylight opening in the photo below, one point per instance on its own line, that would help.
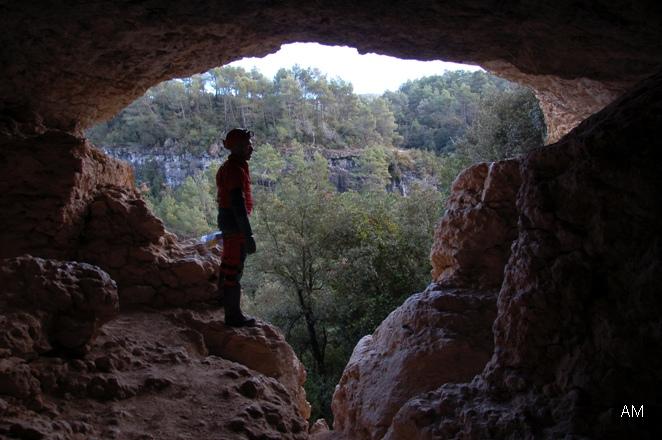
(354, 159)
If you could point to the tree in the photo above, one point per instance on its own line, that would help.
(509, 123)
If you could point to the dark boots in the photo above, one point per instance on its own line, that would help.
(233, 315)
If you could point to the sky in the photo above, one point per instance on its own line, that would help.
(369, 73)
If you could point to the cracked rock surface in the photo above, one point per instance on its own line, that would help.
(149, 375)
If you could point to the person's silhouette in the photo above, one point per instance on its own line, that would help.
(235, 203)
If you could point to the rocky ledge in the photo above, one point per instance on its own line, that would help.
(151, 374)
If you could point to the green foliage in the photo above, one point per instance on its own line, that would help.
(266, 165)
(299, 104)
(374, 167)
(507, 124)
(189, 210)
(331, 266)
(432, 112)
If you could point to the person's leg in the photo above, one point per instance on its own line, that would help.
(232, 267)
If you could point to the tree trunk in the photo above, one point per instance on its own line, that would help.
(316, 350)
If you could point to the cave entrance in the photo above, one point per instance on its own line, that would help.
(349, 182)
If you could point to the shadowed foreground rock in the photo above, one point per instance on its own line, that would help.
(64, 199)
(577, 336)
(48, 304)
(441, 335)
(150, 376)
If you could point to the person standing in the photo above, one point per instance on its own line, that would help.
(235, 203)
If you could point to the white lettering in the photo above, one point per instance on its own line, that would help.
(636, 413)
(625, 411)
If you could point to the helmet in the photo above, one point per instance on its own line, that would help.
(236, 136)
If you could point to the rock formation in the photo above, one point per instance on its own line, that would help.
(149, 375)
(443, 335)
(65, 199)
(109, 62)
(49, 305)
(472, 240)
(581, 282)
(577, 332)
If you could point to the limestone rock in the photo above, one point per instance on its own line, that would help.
(439, 336)
(147, 375)
(472, 240)
(261, 348)
(47, 183)
(48, 302)
(71, 66)
(94, 214)
(442, 335)
(150, 265)
(582, 281)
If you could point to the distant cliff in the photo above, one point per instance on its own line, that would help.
(175, 166)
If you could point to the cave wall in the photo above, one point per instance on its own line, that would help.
(577, 331)
(64, 199)
(69, 65)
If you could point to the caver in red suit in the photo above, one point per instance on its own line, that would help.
(235, 203)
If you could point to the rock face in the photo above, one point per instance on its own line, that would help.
(443, 335)
(174, 165)
(108, 63)
(472, 240)
(47, 304)
(47, 183)
(120, 234)
(65, 199)
(577, 333)
(149, 376)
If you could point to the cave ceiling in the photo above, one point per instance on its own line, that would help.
(69, 64)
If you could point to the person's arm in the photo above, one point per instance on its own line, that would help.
(241, 217)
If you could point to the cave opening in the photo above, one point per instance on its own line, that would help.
(586, 204)
(376, 164)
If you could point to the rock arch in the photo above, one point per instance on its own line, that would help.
(68, 66)
(587, 250)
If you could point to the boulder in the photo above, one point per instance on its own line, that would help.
(444, 334)
(438, 336)
(53, 303)
(150, 265)
(472, 241)
(261, 348)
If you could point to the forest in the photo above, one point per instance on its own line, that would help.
(330, 265)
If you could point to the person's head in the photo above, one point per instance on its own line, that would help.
(238, 141)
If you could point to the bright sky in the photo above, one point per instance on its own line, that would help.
(370, 73)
